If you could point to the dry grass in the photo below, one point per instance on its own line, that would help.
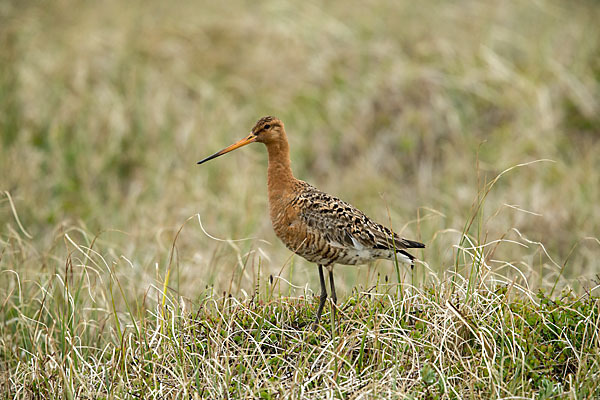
(63, 336)
(409, 111)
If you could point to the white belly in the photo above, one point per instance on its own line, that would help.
(364, 256)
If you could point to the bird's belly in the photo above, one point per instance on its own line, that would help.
(353, 256)
(335, 255)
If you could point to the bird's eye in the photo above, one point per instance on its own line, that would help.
(267, 126)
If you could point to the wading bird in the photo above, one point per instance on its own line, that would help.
(321, 228)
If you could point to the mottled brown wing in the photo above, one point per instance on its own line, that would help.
(343, 225)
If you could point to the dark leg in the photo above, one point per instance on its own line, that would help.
(323, 294)
(332, 288)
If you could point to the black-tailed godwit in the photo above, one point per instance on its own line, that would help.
(321, 228)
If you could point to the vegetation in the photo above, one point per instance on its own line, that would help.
(126, 271)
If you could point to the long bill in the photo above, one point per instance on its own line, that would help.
(247, 140)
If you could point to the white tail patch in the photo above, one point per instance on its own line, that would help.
(402, 258)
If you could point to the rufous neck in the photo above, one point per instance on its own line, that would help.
(280, 177)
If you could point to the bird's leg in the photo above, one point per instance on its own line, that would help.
(332, 288)
(323, 298)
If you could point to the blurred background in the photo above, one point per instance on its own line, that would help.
(405, 109)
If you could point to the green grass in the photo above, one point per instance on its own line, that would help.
(473, 127)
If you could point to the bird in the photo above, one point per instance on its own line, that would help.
(313, 224)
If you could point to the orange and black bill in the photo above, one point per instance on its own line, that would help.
(247, 140)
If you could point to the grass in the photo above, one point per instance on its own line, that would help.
(391, 340)
(126, 271)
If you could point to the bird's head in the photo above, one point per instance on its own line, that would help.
(267, 130)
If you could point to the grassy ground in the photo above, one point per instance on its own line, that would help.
(127, 271)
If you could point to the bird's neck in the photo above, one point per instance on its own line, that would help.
(280, 179)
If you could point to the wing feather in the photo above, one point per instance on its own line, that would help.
(341, 224)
